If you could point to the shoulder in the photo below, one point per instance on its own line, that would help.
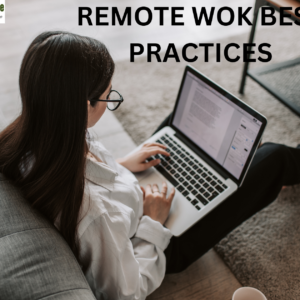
(96, 146)
(100, 151)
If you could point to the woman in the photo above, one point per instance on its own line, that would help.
(114, 228)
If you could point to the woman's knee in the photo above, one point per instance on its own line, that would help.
(279, 158)
(269, 160)
(275, 151)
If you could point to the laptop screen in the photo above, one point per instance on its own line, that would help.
(218, 126)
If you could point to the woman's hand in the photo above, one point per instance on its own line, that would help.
(156, 203)
(136, 161)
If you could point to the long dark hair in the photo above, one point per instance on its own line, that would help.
(59, 73)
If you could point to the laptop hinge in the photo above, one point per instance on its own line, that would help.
(204, 156)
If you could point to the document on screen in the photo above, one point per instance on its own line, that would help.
(205, 118)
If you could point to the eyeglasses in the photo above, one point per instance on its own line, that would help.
(114, 100)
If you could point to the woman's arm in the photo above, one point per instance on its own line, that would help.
(120, 267)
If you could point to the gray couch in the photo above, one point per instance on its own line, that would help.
(35, 261)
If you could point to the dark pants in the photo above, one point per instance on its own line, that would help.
(273, 166)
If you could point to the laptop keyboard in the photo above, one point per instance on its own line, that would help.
(195, 182)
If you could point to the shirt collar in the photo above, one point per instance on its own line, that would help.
(100, 174)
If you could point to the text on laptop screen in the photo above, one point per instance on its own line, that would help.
(219, 127)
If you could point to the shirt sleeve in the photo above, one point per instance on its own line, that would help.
(118, 267)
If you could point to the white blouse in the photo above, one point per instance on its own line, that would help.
(122, 249)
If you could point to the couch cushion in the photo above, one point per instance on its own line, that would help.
(35, 261)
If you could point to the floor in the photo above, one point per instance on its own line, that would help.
(208, 278)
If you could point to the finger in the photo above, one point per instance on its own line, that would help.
(150, 164)
(156, 144)
(148, 190)
(164, 188)
(146, 145)
(171, 196)
(143, 190)
(156, 150)
(155, 188)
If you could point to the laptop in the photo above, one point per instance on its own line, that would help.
(212, 138)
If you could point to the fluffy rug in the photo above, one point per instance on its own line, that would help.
(263, 252)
